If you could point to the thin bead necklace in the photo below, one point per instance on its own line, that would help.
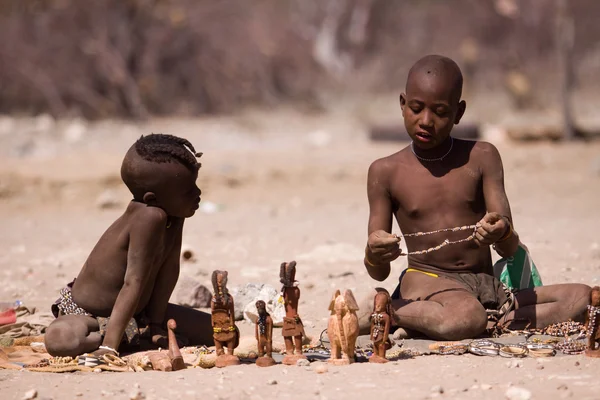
(412, 147)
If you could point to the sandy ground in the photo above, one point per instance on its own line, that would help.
(292, 187)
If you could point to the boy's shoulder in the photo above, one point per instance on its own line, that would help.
(146, 217)
(389, 163)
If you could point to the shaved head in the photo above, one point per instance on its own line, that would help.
(438, 68)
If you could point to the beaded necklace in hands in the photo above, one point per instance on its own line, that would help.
(445, 242)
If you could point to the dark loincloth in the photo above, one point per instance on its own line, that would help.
(292, 327)
(497, 299)
(65, 305)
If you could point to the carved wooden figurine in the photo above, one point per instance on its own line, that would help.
(342, 329)
(225, 333)
(380, 326)
(264, 336)
(174, 353)
(592, 320)
(292, 330)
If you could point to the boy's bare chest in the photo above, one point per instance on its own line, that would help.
(419, 192)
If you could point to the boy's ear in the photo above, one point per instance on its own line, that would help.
(149, 198)
(402, 101)
(462, 106)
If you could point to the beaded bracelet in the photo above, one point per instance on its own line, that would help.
(453, 349)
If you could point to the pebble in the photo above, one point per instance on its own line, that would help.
(517, 393)
(271, 382)
(136, 394)
(562, 387)
(514, 364)
(303, 362)
(539, 367)
(485, 386)
(437, 389)
(320, 368)
(97, 370)
(577, 364)
(30, 394)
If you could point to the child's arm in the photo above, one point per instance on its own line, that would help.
(382, 246)
(496, 227)
(145, 235)
(165, 280)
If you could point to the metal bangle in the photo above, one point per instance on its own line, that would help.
(484, 347)
(513, 351)
(540, 349)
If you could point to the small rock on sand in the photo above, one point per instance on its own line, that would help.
(30, 394)
(437, 389)
(303, 362)
(517, 393)
(271, 382)
(320, 367)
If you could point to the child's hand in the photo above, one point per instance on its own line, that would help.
(383, 247)
(490, 229)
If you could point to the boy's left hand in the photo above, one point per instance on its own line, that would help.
(490, 229)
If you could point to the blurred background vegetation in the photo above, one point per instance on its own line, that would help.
(140, 58)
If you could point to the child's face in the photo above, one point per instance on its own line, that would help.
(178, 194)
(430, 109)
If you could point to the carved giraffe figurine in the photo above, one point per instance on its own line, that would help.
(380, 326)
(591, 322)
(292, 329)
(263, 331)
(342, 329)
(225, 332)
(174, 353)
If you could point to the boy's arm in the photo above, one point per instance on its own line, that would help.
(496, 227)
(165, 281)
(145, 235)
(382, 247)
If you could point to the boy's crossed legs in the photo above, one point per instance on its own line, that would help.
(445, 309)
(72, 335)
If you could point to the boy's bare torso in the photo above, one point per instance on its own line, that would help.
(435, 195)
(103, 274)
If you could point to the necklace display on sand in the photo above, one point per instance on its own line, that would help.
(412, 147)
(446, 242)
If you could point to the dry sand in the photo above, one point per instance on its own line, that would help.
(289, 188)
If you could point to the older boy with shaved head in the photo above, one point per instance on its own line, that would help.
(438, 183)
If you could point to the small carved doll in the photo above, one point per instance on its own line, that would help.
(292, 330)
(225, 333)
(264, 336)
(380, 326)
(591, 322)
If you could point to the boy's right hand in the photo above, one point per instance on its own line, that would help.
(161, 339)
(383, 247)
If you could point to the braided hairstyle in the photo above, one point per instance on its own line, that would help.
(161, 148)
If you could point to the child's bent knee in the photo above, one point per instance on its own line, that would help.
(61, 340)
(468, 327)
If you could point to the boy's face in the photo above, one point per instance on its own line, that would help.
(430, 108)
(178, 193)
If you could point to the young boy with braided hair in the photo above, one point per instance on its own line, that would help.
(129, 276)
(438, 183)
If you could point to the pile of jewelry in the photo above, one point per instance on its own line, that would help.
(563, 329)
(572, 347)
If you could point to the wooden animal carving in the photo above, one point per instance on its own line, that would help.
(592, 320)
(342, 329)
(381, 320)
(225, 332)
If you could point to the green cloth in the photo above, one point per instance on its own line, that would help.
(518, 271)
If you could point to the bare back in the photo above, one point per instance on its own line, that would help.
(426, 196)
(103, 274)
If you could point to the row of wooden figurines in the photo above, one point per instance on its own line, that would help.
(342, 328)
